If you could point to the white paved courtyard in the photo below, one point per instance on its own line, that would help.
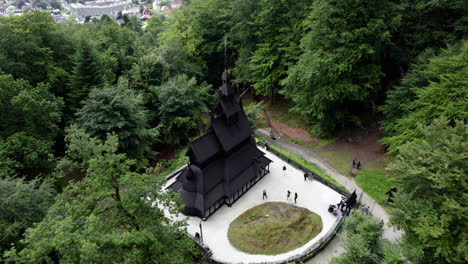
(312, 195)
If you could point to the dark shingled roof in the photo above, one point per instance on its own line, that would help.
(204, 147)
(230, 106)
(229, 133)
(222, 161)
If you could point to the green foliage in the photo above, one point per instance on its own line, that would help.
(119, 110)
(375, 183)
(26, 108)
(183, 104)
(21, 205)
(297, 141)
(437, 86)
(86, 75)
(339, 70)
(252, 111)
(25, 156)
(31, 48)
(112, 215)
(28, 126)
(432, 199)
(364, 244)
(428, 24)
(280, 28)
(306, 164)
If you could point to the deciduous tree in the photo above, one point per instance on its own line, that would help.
(112, 215)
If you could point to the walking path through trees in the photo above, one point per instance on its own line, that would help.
(390, 233)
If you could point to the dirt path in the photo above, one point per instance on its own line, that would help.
(389, 232)
(282, 129)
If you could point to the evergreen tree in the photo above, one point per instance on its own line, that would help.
(432, 200)
(279, 24)
(86, 75)
(22, 204)
(338, 75)
(436, 86)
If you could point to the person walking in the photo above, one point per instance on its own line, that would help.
(284, 170)
(295, 198)
(306, 176)
(289, 196)
(264, 195)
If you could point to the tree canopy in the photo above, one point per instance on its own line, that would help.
(21, 205)
(437, 86)
(339, 71)
(183, 103)
(119, 110)
(112, 215)
(432, 199)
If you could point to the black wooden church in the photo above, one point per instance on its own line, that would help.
(224, 162)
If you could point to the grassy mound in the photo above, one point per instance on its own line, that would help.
(273, 228)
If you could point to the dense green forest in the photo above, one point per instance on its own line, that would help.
(87, 109)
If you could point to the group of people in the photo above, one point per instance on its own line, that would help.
(342, 206)
(356, 165)
(288, 197)
(365, 208)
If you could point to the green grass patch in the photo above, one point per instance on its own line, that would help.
(322, 142)
(297, 141)
(374, 182)
(273, 228)
(307, 164)
(341, 161)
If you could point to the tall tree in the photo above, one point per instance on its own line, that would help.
(338, 74)
(364, 243)
(86, 75)
(427, 24)
(38, 51)
(279, 30)
(183, 104)
(22, 204)
(112, 215)
(436, 86)
(432, 200)
(120, 110)
(28, 127)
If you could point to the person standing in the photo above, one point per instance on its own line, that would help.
(284, 170)
(264, 195)
(295, 198)
(306, 176)
(289, 196)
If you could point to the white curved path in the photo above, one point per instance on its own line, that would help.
(312, 195)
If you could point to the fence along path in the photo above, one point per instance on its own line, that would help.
(378, 212)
